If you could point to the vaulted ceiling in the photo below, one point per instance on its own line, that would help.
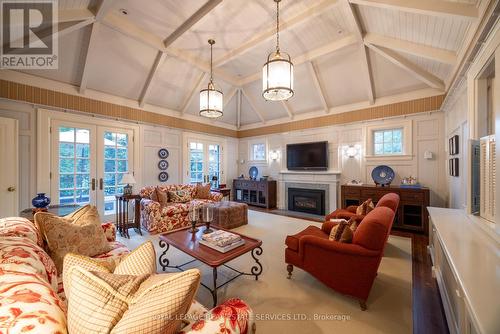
(346, 52)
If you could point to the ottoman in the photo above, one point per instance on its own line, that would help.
(229, 214)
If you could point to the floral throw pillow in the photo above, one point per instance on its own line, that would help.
(179, 196)
(344, 231)
(202, 191)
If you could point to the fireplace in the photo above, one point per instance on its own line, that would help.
(307, 200)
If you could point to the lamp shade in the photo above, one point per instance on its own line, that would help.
(277, 77)
(128, 179)
(211, 102)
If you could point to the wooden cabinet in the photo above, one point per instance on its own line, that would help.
(253, 192)
(412, 212)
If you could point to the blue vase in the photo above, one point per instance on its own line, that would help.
(40, 201)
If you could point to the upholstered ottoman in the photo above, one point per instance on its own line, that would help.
(229, 214)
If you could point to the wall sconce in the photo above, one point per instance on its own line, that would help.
(240, 161)
(428, 155)
(273, 155)
(351, 151)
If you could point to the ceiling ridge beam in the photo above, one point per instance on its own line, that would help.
(131, 30)
(238, 110)
(90, 50)
(159, 60)
(308, 56)
(367, 72)
(103, 8)
(263, 36)
(191, 94)
(416, 49)
(318, 86)
(71, 15)
(288, 108)
(419, 73)
(191, 21)
(426, 7)
(253, 106)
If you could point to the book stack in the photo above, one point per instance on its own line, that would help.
(222, 241)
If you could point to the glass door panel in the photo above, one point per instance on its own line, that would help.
(214, 163)
(196, 162)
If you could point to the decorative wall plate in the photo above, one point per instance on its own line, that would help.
(383, 175)
(163, 164)
(253, 172)
(163, 177)
(163, 153)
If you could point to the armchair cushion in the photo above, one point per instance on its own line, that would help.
(343, 231)
(373, 232)
(292, 241)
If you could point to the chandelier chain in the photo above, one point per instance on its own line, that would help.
(277, 26)
(211, 74)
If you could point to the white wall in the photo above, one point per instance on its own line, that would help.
(150, 140)
(427, 134)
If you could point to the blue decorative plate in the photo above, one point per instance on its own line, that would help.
(163, 177)
(163, 153)
(383, 175)
(163, 164)
(253, 172)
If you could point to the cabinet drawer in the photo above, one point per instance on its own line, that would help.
(352, 192)
(412, 196)
(373, 194)
(262, 185)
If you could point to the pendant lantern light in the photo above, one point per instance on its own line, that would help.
(211, 98)
(277, 73)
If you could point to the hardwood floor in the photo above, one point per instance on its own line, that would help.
(428, 312)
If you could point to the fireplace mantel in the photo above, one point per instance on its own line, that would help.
(329, 179)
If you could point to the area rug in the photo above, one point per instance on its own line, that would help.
(303, 304)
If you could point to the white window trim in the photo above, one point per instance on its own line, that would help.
(250, 151)
(406, 125)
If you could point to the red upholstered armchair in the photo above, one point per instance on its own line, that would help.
(349, 268)
(390, 200)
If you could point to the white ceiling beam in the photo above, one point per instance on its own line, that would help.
(71, 15)
(128, 28)
(103, 8)
(69, 27)
(229, 96)
(408, 66)
(308, 56)
(253, 106)
(318, 86)
(88, 55)
(160, 58)
(426, 7)
(288, 109)
(196, 88)
(238, 110)
(416, 49)
(269, 33)
(191, 21)
(367, 73)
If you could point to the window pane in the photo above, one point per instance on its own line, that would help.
(121, 140)
(387, 148)
(397, 148)
(387, 136)
(83, 150)
(379, 148)
(109, 139)
(109, 179)
(378, 137)
(66, 165)
(122, 165)
(109, 166)
(67, 135)
(82, 180)
(109, 153)
(82, 196)
(66, 196)
(66, 181)
(82, 165)
(388, 141)
(109, 191)
(259, 152)
(121, 153)
(396, 136)
(66, 150)
(83, 136)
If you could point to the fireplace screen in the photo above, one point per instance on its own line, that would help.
(306, 200)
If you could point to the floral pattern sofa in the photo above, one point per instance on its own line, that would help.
(159, 219)
(32, 296)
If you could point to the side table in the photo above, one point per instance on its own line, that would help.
(58, 210)
(121, 218)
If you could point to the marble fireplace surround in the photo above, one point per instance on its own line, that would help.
(324, 180)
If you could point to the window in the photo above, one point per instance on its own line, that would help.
(258, 152)
(388, 141)
(487, 177)
(115, 166)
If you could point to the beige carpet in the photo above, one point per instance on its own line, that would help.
(303, 299)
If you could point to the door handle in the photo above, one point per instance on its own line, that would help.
(100, 183)
(93, 184)
(11, 189)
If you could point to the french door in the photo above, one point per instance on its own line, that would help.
(88, 163)
(204, 161)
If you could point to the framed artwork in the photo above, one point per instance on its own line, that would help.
(453, 145)
(453, 166)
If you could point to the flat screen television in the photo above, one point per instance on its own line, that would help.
(307, 156)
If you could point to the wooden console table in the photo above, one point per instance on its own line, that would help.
(121, 218)
(58, 210)
(412, 212)
(253, 192)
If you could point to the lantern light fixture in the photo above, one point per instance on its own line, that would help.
(277, 73)
(211, 98)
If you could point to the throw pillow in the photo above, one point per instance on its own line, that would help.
(162, 196)
(344, 231)
(179, 196)
(141, 261)
(365, 208)
(82, 236)
(202, 191)
(108, 303)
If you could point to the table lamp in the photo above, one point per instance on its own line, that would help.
(128, 179)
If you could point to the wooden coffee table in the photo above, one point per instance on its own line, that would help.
(188, 243)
